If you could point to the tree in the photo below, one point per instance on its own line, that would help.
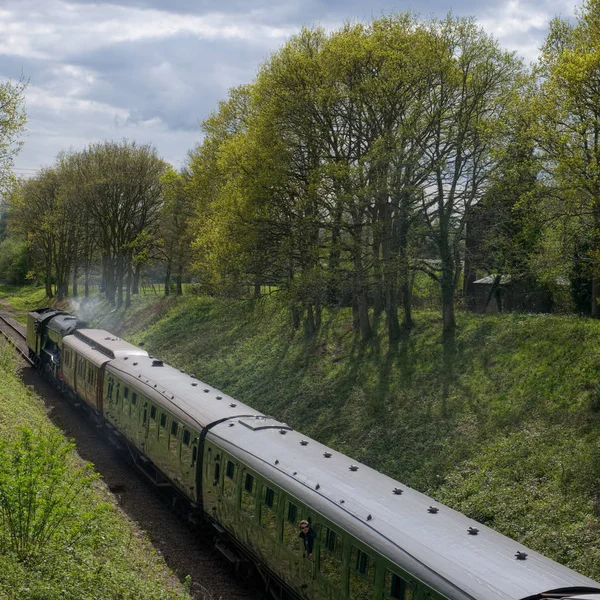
(12, 122)
(568, 128)
(475, 84)
(175, 229)
(120, 186)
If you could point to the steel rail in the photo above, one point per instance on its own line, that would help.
(12, 341)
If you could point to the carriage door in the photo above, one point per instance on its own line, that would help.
(212, 476)
(143, 426)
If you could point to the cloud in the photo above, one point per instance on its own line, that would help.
(521, 26)
(58, 29)
(152, 70)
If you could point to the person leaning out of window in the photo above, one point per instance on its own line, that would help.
(308, 537)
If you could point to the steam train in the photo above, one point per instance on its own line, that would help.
(254, 479)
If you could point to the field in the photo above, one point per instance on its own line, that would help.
(502, 424)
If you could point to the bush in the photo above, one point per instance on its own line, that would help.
(40, 495)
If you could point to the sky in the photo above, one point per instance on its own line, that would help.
(153, 70)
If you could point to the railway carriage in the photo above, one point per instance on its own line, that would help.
(255, 478)
(85, 355)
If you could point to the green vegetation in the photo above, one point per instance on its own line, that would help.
(60, 535)
(21, 299)
(503, 425)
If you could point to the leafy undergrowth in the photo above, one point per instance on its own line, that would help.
(60, 534)
(502, 423)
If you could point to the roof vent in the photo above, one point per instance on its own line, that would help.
(398, 491)
(473, 530)
(342, 501)
(206, 390)
(155, 385)
(192, 376)
(295, 473)
(353, 467)
(194, 383)
(318, 486)
(219, 397)
(283, 431)
(303, 443)
(126, 358)
(157, 363)
(233, 405)
(433, 510)
(520, 555)
(182, 370)
(231, 424)
(327, 454)
(369, 517)
(277, 462)
(134, 364)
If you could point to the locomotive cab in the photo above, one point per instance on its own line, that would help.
(45, 329)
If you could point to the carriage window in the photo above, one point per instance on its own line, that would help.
(111, 384)
(163, 420)
(186, 437)
(194, 452)
(133, 399)
(229, 480)
(217, 472)
(268, 510)
(362, 574)
(397, 588)
(249, 494)
(126, 393)
(330, 564)
(290, 527)
(173, 440)
(153, 413)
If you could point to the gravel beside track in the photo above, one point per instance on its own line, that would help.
(186, 552)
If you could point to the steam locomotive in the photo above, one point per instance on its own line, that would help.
(254, 479)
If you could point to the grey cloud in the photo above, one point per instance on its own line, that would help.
(159, 90)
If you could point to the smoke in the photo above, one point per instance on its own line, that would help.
(87, 310)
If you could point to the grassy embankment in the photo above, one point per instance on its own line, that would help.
(61, 536)
(504, 428)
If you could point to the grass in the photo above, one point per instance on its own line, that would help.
(97, 552)
(22, 299)
(501, 423)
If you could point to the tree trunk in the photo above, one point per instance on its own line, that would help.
(128, 286)
(180, 280)
(136, 279)
(168, 278)
(119, 277)
(75, 277)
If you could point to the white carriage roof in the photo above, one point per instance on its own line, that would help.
(108, 344)
(191, 400)
(84, 349)
(480, 564)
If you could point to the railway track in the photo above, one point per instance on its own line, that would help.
(14, 332)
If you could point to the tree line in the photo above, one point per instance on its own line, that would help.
(356, 160)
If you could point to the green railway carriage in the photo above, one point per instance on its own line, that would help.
(84, 357)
